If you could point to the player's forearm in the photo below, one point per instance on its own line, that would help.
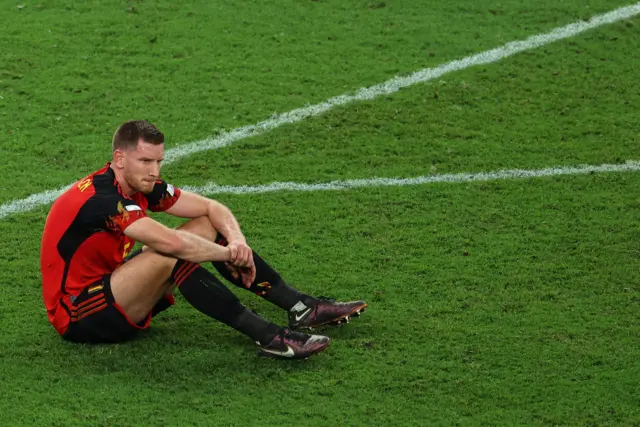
(224, 221)
(197, 249)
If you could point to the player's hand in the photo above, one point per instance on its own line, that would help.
(246, 274)
(244, 254)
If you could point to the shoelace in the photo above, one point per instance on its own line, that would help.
(291, 335)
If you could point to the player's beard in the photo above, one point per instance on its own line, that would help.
(140, 185)
(146, 187)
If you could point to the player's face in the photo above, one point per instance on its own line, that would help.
(142, 166)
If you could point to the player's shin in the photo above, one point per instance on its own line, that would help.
(208, 295)
(268, 284)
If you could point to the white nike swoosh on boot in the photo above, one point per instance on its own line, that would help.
(304, 313)
(288, 353)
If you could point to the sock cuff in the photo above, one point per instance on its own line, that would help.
(182, 271)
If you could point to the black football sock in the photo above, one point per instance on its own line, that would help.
(208, 295)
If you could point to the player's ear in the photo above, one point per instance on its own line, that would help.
(118, 158)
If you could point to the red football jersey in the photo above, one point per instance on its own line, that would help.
(84, 238)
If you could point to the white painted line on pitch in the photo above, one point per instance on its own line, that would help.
(395, 84)
(212, 188)
(388, 87)
(31, 202)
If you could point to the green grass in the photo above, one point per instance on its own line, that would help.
(71, 72)
(498, 303)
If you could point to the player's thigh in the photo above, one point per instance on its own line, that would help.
(201, 226)
(138, 284)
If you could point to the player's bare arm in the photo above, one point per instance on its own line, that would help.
(191, 205)
(178, 244)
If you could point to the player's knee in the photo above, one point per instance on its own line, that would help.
(166, 264)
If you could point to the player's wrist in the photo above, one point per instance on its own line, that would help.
(237, 238)
(231, 254)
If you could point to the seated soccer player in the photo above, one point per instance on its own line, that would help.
(95, 290)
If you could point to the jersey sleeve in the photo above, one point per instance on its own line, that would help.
(112, 212)
(162, 197)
